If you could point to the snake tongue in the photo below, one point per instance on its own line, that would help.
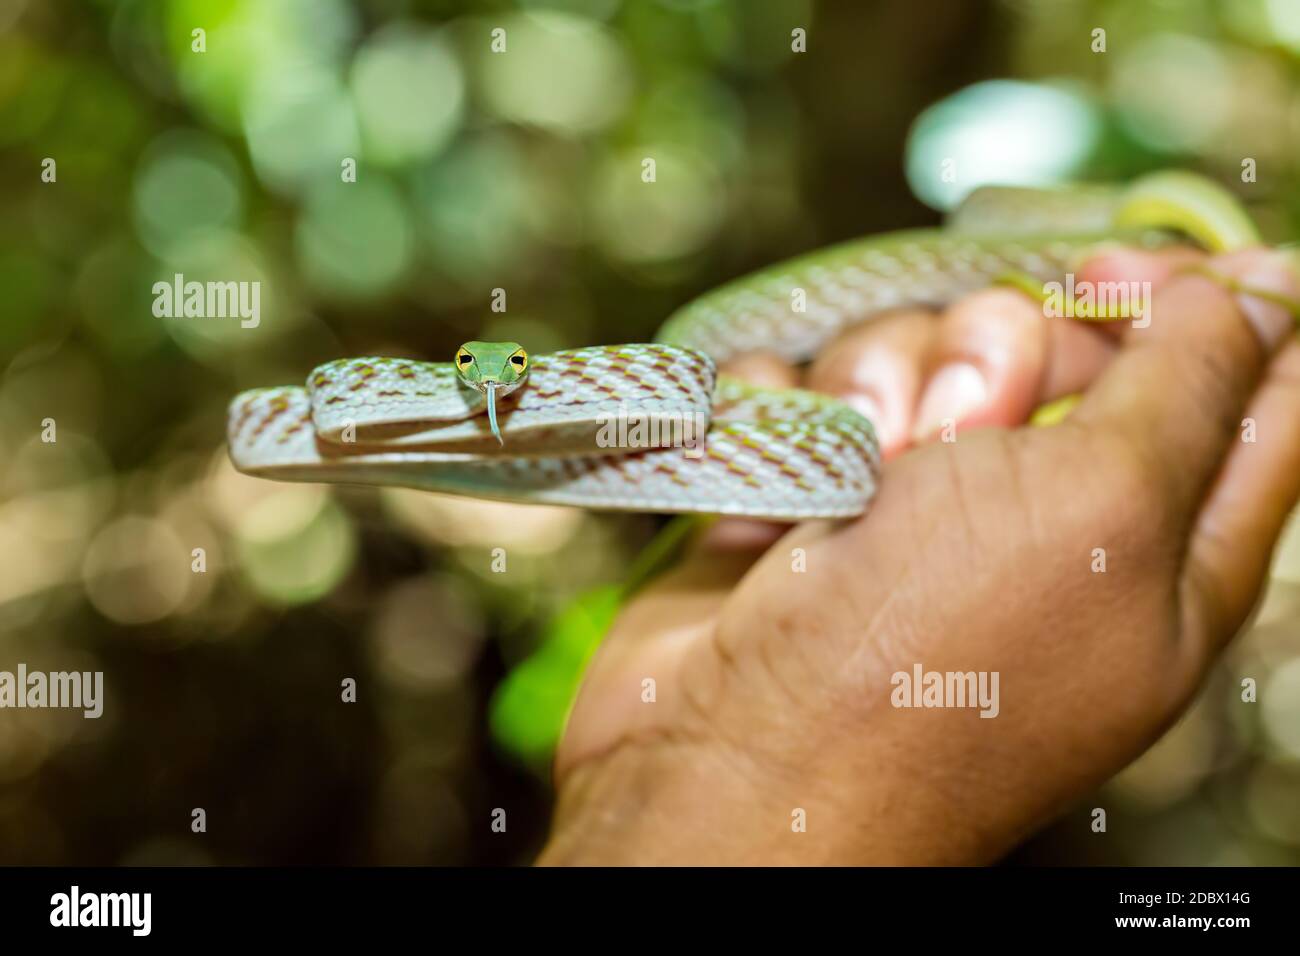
(491, 391)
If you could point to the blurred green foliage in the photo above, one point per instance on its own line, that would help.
(477, 170)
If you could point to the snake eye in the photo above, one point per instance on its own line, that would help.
(464, 359)
(519, 360)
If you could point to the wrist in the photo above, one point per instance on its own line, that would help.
(668, 803)
(654, 802)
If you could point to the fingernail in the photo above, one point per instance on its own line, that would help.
(885, 428)
(953, 393)
(1271, 321)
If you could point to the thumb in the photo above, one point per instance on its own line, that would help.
(1175, 393)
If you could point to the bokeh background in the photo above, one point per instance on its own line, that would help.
(475, 171)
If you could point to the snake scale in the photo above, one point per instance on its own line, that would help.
(652, 426)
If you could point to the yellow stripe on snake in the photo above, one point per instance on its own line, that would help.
(652, 427)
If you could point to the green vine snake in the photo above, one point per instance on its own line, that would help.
(652, 426)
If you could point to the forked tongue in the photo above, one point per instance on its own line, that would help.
(491, 389)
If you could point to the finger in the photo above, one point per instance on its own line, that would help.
(995, 354)
(1174, 394)
(762, 368)
(1127, 268)
(877, 368)
(1249, 503)
(1122, 264)
(1078, 351)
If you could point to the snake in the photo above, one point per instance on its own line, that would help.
(653, 426)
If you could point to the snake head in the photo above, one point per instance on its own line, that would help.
(493, 368)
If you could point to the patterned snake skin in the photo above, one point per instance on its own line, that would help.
(644, 427)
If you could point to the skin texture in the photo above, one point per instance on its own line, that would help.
(494, 368)
(773, 687)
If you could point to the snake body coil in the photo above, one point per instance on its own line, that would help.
(651, 427)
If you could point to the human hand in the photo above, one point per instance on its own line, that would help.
(773, 687)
